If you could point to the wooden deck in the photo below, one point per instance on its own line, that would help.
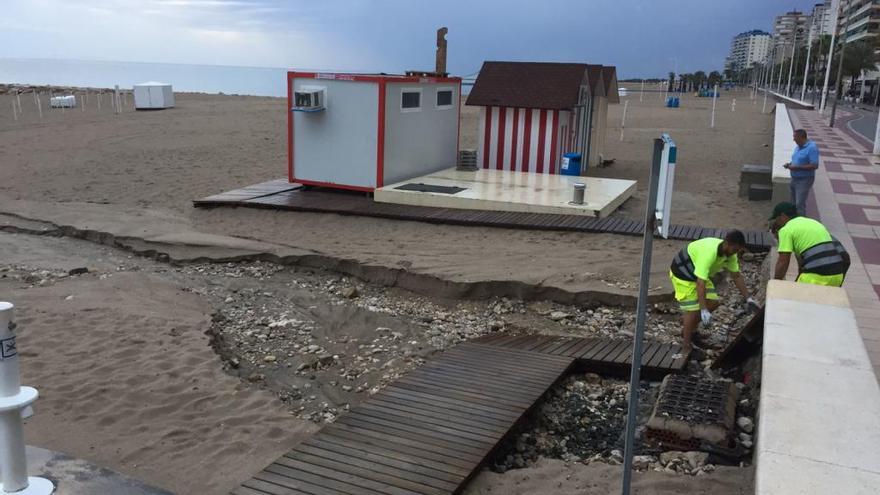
(427, 433)
(430, 431)
(281, 195)
(600, 355)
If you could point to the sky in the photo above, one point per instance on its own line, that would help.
(643, 38)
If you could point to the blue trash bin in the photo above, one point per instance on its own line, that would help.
(571, 164)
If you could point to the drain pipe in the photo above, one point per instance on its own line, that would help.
(14, 400)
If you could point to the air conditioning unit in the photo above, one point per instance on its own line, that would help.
(309, 100)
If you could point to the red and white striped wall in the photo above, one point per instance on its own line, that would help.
(523, 139)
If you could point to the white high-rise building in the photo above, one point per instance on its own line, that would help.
(747, 49)
(822, 19)
(789, 28)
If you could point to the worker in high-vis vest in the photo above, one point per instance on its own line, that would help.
(691, 274)
(822, 259)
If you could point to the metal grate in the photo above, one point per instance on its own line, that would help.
(690, 411)
(694, 401)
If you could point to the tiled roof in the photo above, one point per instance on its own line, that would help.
(547, 85)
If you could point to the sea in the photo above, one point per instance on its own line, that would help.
(258, 81)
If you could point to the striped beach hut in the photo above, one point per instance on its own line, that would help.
(534, 112)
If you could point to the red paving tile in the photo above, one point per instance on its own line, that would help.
(855, 214)
(832, 166)
(841, 186)
(877, 290)
(868, 249)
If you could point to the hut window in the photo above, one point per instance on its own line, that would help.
(444, 98)
(410, 100)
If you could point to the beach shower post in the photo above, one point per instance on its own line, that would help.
(14, 399)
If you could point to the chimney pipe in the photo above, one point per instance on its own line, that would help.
(440, 67)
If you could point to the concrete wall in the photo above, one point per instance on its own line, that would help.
(783, 146)
(419, 142)
(338, 145)
(819, 416)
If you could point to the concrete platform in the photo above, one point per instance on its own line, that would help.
(817, 429)
(77, 477)
(783, 147)
(502, 190)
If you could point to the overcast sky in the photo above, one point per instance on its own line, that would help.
(640, 37)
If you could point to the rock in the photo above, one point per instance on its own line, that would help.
(592, 378)
(325, 359)
(668, 457)
(696, 459)
(234, 363)
(269, 359)
(746, 424)
(745, 437)
(78, 271)
(347, 388)
(642, 462)
(257, 377)
(350, 292)
(559, 315)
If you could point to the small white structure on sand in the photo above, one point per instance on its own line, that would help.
(62, 101)
(362, 131)
(153, 95)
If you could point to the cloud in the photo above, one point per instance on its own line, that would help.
(226, 32)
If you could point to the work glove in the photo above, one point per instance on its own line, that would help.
(753, 304)
(706, 317)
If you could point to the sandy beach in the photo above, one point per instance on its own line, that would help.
(123, 353)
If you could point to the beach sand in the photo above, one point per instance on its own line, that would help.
(140, 166)
(127, 376)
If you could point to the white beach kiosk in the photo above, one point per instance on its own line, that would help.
(153, 95)
(362, 131)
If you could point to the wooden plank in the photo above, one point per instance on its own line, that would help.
(447, 433)
(370, 449)
(314, 484)
(427, 473)
(573, 342)
(285, 466)
(449, 402)
(505, 356)
(648, 353)
(462, 419)
(381, 473)
(662, 351)
(580, 348)
(374, 439)
(411, 441)
(274, 484)
(516, 375)
(599, 346)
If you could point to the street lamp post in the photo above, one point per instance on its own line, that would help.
(830, 57)
(837, 88)
(793, 60)
(807, 65)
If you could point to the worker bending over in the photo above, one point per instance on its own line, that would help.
(691, 274)
(821, 259)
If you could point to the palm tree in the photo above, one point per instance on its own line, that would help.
(699, 77)
(860, 56)
(714, 78)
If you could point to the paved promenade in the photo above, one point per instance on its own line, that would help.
(847, 200)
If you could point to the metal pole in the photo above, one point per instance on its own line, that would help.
(818, 69)
(807, 65)
(623, 120)
(837, 86)
(15, 398)
(792, 62)
(830, 57)
(642, 92)
(714, 99)
(877, 136)
(641, 317)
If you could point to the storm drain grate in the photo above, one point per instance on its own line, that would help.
(430, 188)
(690, 410)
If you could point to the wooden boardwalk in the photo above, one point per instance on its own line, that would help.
(426, 433)
(601, 355)
(281, 195)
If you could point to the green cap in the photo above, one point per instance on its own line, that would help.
(784, 207)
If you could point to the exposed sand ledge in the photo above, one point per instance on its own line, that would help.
(166, 236)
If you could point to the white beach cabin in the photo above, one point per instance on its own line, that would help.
(153, 95)
(362, 131)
